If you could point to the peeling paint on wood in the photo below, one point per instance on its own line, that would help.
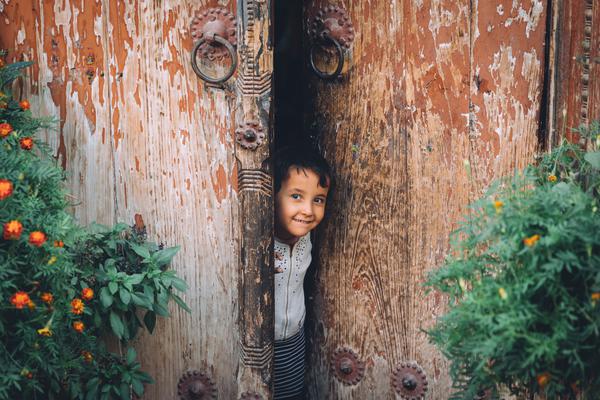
(445, 82)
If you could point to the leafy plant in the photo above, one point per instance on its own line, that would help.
(64, 289)
(523, 282)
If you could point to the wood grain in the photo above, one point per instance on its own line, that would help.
(139, 133)
(430, 86)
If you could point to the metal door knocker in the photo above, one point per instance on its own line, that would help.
(346, 366)
(214, 33)
(331, 27)
(409, 381)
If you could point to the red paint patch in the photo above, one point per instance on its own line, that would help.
(219, 183)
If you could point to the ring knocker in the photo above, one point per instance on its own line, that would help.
(331, 27)
(230, 49)
(214, 32)
(340, 58)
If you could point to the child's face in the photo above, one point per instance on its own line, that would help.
(299, 205)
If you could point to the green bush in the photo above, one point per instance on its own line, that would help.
(65, 290)
(523, 282)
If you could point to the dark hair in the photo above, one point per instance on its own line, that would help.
(301, 158)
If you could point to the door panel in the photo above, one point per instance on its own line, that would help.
(141, 134)
(428, 87)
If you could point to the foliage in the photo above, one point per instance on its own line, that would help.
(523, 282)
(66, 290)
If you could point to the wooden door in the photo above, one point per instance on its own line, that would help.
(436, 99)
(140, 133)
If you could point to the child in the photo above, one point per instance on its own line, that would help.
(302, 181)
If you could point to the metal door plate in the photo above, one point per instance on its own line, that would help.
(214, 21)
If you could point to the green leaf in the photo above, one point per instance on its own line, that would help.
(125, 296)
(130, 358)
(124, 391)
(150, 321)
(161, 310)
(181, 303)
(141, 251)
(113, 287)
(116, 324)
(179, 284)
(138, 387)
(135, 279)
(140, 299)
(593, 159)
(163, 257)
(105, 297)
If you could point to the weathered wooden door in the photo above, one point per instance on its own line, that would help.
(436, 99)
(140, 133)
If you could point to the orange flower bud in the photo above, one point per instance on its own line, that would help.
(31, 305)
(6, 188)
(543, 379)
(78, 326)
(12, 230)
(59, 243)
(45, 331)
(532, 240)
(2, 63)
(87, 356)
(47, 297)
(552, 178)
(87, 294)
(77, 306)
(26, 143)
(37, 238)
(20, 299)
(24, 105)
(5, 129)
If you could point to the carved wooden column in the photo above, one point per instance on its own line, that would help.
(256, 202)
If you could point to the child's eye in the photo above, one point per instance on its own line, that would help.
(295, 196)
(319, 200)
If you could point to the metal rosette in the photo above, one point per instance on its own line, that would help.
(346, 366)
(250, 396)
(333, 21)
(194, 385)
(249, 135)
(213, 21)
(409, 381)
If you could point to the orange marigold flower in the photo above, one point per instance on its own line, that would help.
(47, 297)
(532, 240)
(552, 178)
(543, 379)
(78, 326)
(498, 205)
(596, 296)
(45, 331)
(12, 230)
(24, 105)
(37, 238)
(6, 188)
(87, 294)
(20, 299)
(77, 306)
(59, 243)
(5, 129)
(26, 143)
(87, 356)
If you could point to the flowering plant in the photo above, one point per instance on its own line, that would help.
(523, 282)
(65, 290)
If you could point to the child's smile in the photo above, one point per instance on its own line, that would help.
(299, 205)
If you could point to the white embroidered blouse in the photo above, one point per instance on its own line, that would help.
(290, 267)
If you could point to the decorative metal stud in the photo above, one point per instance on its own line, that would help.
(334, 22)
(409, 381)
(210, 22)
(250, 396)
(249, 135)
(196, 385)
(484, 394)
(346, 366)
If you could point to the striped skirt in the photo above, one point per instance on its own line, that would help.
(288, 368)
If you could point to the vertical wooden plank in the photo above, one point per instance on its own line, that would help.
(67, 81)
(507, 75)
(174, 166)
(256, 305)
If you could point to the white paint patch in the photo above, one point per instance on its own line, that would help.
(532, 17)
(21, 35)
(500, 9)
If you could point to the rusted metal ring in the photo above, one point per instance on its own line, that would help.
(230, 49)
(340, 56)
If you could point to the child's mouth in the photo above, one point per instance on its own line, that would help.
(302, 222)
